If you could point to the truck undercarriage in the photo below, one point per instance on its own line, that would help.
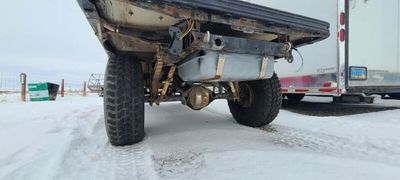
(193, 52)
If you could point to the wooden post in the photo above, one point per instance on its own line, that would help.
(23, 86)
(62, 87)
(84, 89)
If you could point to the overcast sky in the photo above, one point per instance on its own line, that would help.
(48, 40)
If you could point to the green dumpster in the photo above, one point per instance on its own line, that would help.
(43, 91)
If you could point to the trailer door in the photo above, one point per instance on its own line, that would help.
(316, 69)
(374, 38)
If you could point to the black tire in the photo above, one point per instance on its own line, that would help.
(259, 107)
(295, 98)
(124, 101)
(395, 95)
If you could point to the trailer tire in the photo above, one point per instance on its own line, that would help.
(262, 105)
(124, 101)
(295, 98)
(395, 95)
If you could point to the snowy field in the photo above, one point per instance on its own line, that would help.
(66, 140)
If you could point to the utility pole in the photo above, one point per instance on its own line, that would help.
(23, 86)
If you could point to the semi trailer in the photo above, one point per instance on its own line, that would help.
(361, 60)
(193, 52)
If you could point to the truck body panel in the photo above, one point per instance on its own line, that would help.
(367, 45)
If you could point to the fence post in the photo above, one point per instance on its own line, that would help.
(62, 87)
(23, 86)
(84, 88)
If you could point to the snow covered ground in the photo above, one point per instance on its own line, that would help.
(66, 140)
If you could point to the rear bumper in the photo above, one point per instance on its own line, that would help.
(245, 16)
(240, 9)
(239, 15)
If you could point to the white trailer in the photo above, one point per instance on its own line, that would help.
(360, 58)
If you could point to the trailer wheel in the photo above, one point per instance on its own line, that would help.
(259, 104)
(395, 95)
(295, 98)
(124, 101)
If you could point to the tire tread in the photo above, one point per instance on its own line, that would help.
(266, 105)
(124, 101)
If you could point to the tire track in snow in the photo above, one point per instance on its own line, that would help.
(42, 160)
(331, 145)
(382, 151)
(178, 163)
(128, 162)
(91, 156)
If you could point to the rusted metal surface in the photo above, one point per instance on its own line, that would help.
(241, 24)
(126, 13)
(168, 81)
(133, 44)
(156, 75)
(234, 86)
(198, 97)
(107, 15)
(207, 41)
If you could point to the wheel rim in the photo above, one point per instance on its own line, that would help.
(246, 95)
